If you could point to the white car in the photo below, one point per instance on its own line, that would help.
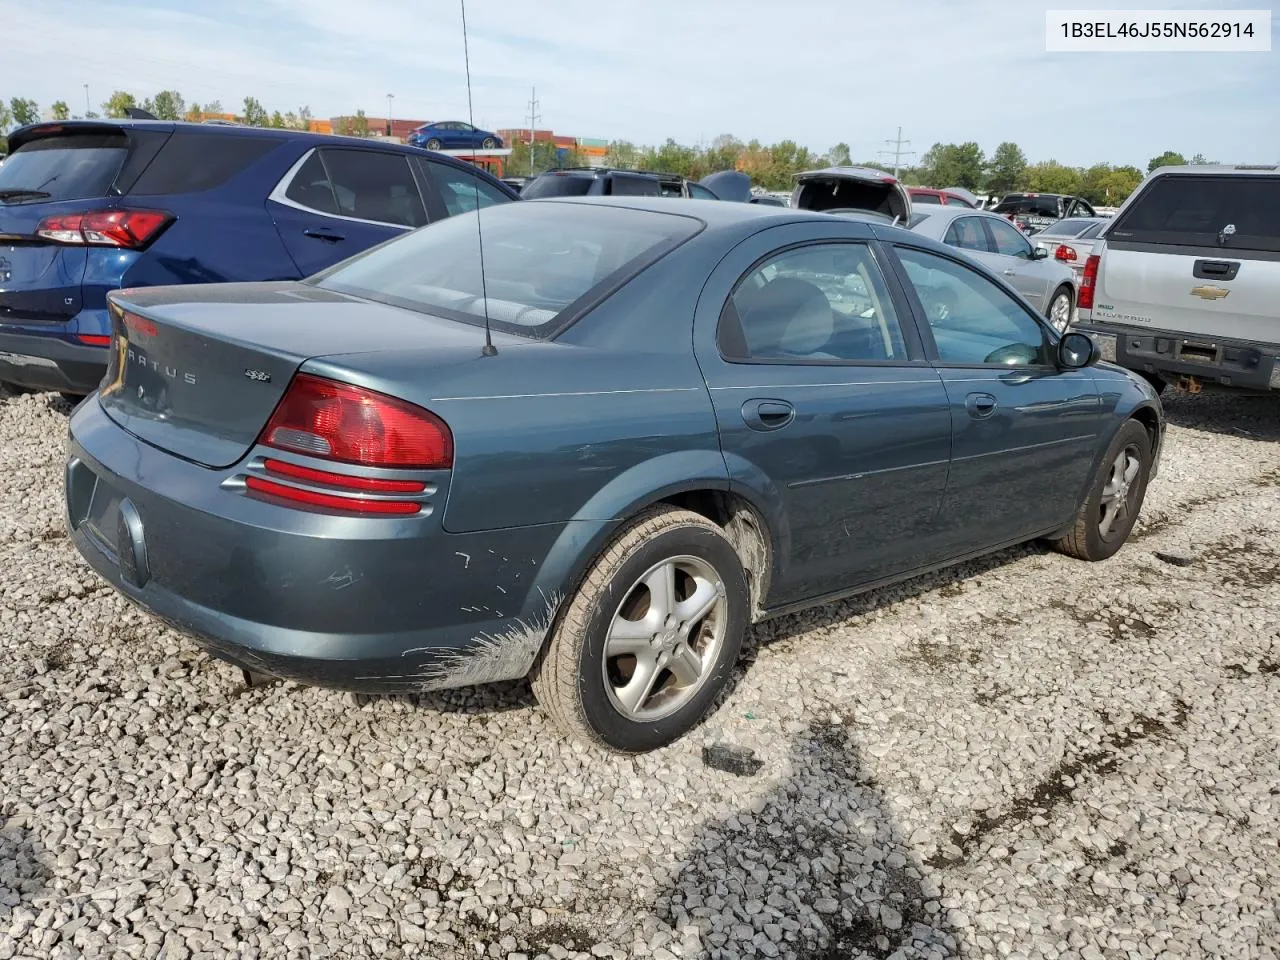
(1070, 241)
(1184, 282)
(992, 240)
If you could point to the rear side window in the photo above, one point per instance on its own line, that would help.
(557, 185)
(311, 188)
(191, 162)
(925, 198)
(74, 167)
(1197, 210)
(967, 234)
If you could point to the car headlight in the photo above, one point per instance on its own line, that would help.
(1106, 345)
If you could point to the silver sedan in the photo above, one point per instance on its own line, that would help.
(1050, 286)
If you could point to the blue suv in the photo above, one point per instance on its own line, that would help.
(92, 206)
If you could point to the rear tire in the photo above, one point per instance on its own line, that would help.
(629, 669)
(1105, 519)
(433, 144)
(1059, 312)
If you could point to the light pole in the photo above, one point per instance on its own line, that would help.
(87, 109)
(390, 97)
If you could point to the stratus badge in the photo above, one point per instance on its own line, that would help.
(1206, 292)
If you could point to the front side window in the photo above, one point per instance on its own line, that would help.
(1008, 240)
(460, 190)
(698, 192)
(816, 303)
(974, 322)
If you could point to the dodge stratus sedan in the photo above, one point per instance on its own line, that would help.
(644, 426)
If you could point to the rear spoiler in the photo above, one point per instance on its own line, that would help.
(45, 128)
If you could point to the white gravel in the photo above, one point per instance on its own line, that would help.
(1025, 757)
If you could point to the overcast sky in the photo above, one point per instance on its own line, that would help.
(816, 71)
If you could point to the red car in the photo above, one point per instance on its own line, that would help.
(931, 195)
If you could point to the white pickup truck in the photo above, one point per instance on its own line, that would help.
(1183, 285)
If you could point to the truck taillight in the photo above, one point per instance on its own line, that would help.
(127, 229)
(1088, 282)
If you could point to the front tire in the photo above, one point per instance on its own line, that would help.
(649, 639)
(1059, 312)
(1107, 516)
(489, 143)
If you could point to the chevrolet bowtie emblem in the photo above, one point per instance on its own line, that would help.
(1209, 293)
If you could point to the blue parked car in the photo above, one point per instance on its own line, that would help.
(692, 416)
(92, 206)
(454, 135)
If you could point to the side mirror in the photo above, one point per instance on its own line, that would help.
(1077, 351)
(1039, 253)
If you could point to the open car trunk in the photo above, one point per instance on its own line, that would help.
(852, 190)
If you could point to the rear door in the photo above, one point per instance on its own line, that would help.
(1196, 254)
(1029, 277)
(338, 201)
(65, 172)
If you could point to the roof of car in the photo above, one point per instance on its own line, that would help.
(937, 212)
(1203, 169)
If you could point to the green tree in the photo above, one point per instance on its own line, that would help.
(254, 113)
(1006, 170)
(6, 117)
(838, 156)
(532, 159)
(1170, 158)
(118, 103)
(167, 105)
(24, 111)
(622, 154)
(724, 154)
(672, 157)
(953, 165)
(213, 106)
(1119, 183)
(360, 124)
(60, 110)
(1199, 160)
(278, 121)
(1093, 183)
(1052, 177)
(304, 118)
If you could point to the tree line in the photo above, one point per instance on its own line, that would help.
(772, 166)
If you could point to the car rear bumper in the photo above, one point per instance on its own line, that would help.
(50, 363)
(1241, 364)
(348, 602)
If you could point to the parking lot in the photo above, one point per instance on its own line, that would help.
(1027, 756)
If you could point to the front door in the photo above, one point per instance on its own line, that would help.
(336, 203)
(826, 408)
(1025, 431)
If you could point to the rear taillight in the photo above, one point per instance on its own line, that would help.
(1088, 282)
(127, 229)
(349, 424)
(314, 498)
(1065, 253)
(95, 339)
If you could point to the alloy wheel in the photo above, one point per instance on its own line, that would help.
(1119, 492)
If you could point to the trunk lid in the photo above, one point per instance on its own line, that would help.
(198, 370)
(54, 170)
(852, 189)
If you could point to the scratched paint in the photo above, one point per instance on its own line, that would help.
(506, 655)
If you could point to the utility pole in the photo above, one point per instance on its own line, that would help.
(87, 109)
(534, 117)
(897, 152)
(390, 97)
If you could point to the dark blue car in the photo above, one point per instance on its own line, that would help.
(92, 206)
(454, 135)
(693, 415)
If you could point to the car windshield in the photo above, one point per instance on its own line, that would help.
(63, 168)
(558, 185)
(540, 259)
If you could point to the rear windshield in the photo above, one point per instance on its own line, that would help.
(75, 167)
(926, 198)
(1197, 210)
(542, 262)
(1065, 228)
(557, 185)
(1030, 206)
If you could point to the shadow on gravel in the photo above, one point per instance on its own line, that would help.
(22, 875)
(1224, 412)
(818, 870)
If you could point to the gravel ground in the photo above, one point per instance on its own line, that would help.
(1024, 757)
